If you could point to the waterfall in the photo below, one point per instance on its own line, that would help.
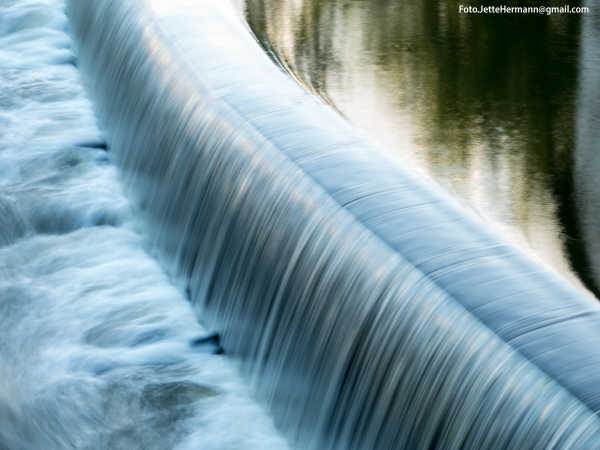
(367, 307)
(95, 340)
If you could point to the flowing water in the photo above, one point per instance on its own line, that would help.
(358, 303)
(95, 344)
(367, 308)
(485, 104)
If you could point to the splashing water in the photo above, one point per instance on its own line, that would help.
(369, 309)
(95, 350)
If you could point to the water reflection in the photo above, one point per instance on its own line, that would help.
(587, 158)
(486, 104)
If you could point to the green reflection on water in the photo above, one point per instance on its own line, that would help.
(486, 104)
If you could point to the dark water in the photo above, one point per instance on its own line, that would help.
(485, 104)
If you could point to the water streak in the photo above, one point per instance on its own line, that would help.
(95, 349)
(368, 307)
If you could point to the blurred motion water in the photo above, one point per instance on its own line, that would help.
(367, 307)
(485, 104)
(95, 341)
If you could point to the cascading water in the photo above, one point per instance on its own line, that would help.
(368, 308)
(95, 342)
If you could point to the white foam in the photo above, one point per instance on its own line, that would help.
(95, 350)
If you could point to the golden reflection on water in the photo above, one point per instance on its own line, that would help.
(485, 104)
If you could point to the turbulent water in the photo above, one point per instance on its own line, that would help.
(363, 306)
(368, 308)
(95, 346)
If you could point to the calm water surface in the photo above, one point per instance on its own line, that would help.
(485, 104)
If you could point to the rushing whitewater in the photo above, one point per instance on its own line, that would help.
(367, 307)
(95, 342)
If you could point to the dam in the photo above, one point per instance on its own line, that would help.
(198, 253)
